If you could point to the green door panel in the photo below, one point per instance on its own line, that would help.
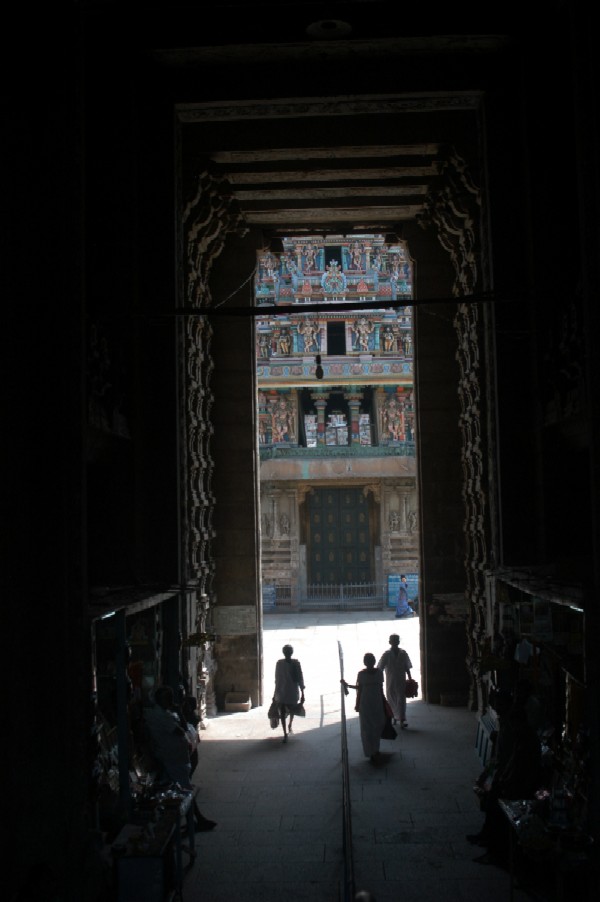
(339, 541)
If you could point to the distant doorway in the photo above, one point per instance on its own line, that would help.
(339, 547)
(336, 338)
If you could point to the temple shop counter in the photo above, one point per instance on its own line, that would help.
(562, 849)
(147, 854)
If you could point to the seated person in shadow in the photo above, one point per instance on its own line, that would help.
(170, 747)
(518, 775)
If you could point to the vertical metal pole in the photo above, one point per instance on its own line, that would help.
(349, 883)
(122, 712)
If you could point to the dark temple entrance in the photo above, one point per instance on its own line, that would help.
(339, 548)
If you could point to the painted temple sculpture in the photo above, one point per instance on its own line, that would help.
(353, 424)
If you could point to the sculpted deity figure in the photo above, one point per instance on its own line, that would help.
(392, 419)
(310, 332)
(292, 268)
(362, 328)
(334, 281)
(376, 265)
(263, 345)
(269, 266)
(356, 253)
(285, 342)
(389, 339)
(310, 258)
(394, 275)
(394, 521)
(399, 273)
(282, 421)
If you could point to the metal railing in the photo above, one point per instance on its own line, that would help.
(281, 452)
(326, 597)
(349, 882)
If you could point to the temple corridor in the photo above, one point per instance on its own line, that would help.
(279, 807)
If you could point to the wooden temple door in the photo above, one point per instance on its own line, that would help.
(339, 548)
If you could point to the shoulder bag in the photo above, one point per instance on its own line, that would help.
(273, 715)
(412, 688)
(388, 731)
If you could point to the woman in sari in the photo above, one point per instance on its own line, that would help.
(369, 704)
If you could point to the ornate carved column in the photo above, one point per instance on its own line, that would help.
(206, 220)
(454, 213)
(320, 404)
(354, 405)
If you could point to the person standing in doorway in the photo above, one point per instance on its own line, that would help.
(403, 609)
(396, 666)
(289, 688)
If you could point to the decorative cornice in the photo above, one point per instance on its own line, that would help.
(295, 108)
(453, 210)
(207, 220)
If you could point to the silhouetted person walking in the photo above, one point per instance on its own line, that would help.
(396, 665)
(289, 688)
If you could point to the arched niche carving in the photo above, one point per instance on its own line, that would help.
(375, 489)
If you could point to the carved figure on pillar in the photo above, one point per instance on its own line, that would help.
(398, 274)
(377, 266)
(269, 267)
(282, 421)
(406, 344)
(285, 342)
(311, 335)
(389, 339)
(292, 269)
(310, 258)
(267, 526)
(263, 346)
(393, 419)
(356, 256)
(334, 281)
(362, 328)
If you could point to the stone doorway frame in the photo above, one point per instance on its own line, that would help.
(459, 220)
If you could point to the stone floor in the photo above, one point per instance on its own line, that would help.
(279, 806)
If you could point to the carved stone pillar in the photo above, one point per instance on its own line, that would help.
(320, 404)
(454, 213)
(354, 405)
(207, 218)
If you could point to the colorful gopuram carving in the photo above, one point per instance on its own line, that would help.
(361, 350)
(336, 449)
